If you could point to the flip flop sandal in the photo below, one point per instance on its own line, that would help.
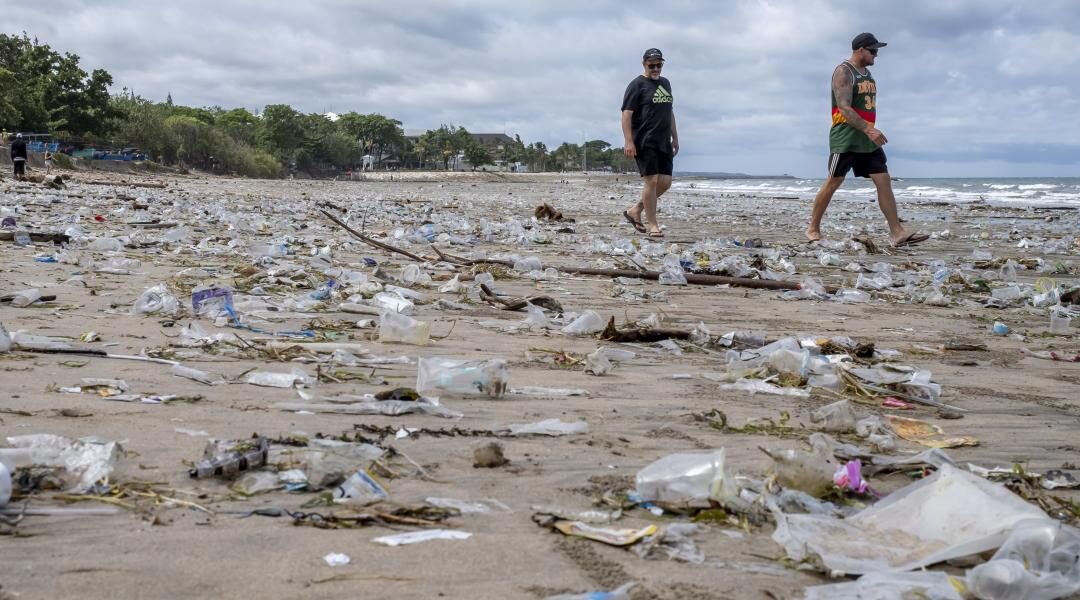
(911, 240)
(656, 234)
(636, 224)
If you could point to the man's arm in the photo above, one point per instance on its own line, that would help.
(841, 89)
(674, 135)
(628, 134)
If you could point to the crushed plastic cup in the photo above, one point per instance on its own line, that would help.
(398, 328)
(550, 427)
(5, 484)
(26, 297)
(849, 295)
(587, 323)
(157, 300)
(1000, 328)
(394, 302)
(838, 417)
(488, 378)
(414, 275)
(1059, 322)
(1008, 293)
(105, 244)
(685, 479)
(528, 264)
(360, 489)
(277, 380)
(672, 277)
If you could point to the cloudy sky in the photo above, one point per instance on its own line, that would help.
(965, 87)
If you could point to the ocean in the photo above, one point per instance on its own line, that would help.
(1040, 191)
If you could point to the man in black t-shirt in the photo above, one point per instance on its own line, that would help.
(650, 138)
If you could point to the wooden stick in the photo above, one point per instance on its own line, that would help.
(371, 242)
(37, 236)
(692, 278)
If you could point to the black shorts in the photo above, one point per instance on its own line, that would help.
(20, 168)
(651, 161)
(864, 164)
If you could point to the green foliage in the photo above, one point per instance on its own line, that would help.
(477, 155)
(45, 91)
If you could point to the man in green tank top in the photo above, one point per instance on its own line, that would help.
(855, 141)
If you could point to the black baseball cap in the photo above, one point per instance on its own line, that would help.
(653, 53)
(868, 41)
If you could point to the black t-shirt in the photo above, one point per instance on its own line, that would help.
(651, 102)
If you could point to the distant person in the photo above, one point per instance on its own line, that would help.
(48, 161)
(855, 142)
(650, 138)
(18, 157)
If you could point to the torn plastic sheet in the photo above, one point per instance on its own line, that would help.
(950, 514)
(85, 461)
(890, 586)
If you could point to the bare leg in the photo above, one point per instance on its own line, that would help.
(648, 200)
(821, 202)
(663, 184)
(887, 202)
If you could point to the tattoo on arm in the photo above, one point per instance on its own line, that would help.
(842, 79)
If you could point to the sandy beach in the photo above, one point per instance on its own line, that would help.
(1020, 408)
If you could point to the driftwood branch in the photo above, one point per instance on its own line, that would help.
(546, 302)
(640, 334)
(137, 184)
(371, 242)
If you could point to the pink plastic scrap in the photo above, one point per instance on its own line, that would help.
(849, 477)
(891, 402)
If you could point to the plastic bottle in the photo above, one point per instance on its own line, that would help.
(396, 327)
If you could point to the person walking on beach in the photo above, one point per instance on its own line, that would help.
(855, 142)
(650, 138)
(18, 157)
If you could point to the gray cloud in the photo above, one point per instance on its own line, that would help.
(966, 87)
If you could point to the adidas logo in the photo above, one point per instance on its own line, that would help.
(661, 96)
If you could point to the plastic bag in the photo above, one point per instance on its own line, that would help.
(85, 461)
(1040, 559)
(947, 515)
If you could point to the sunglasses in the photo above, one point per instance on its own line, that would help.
(655, 66)
(872, 51)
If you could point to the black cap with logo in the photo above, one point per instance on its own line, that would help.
(653, 53)
(868, 41)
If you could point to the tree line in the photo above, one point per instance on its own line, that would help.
(43, 91)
